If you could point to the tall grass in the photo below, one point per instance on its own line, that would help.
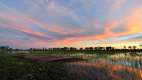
(12, 68)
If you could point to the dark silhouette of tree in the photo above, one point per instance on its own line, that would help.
(91, 48)
(109, 48)
(125, 47)
(87, 48)
(72, 49)
(65, 48)
(134, 47)
(81, 49)
(130, 47)
(99, 48)
(4, 49)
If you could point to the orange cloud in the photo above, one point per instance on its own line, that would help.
(131, 20)
(132, 23)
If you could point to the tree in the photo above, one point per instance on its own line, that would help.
(91, 48)
(81, 49)
(4, 49)
(72, 49)
(109, 48)
(86, 48)
(125, 47)
(65, 48)
(130, 47)
(134, 47)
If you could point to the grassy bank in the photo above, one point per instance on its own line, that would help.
(12, 68)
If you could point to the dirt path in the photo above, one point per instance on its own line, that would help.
(49, 58)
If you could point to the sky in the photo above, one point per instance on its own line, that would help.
(71, 23)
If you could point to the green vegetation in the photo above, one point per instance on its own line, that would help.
(12, 68)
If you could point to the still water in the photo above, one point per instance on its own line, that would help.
(126, 66)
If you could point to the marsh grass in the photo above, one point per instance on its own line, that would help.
(12, 68)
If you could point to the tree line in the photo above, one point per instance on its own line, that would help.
(7, 49)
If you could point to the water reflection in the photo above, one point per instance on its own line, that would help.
(123, 66)
(126, 60)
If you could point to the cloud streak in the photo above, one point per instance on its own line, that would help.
(54, 23)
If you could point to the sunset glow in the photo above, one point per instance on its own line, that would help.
(76, 23)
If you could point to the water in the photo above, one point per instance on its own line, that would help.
(130, 65)
(123, 59)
